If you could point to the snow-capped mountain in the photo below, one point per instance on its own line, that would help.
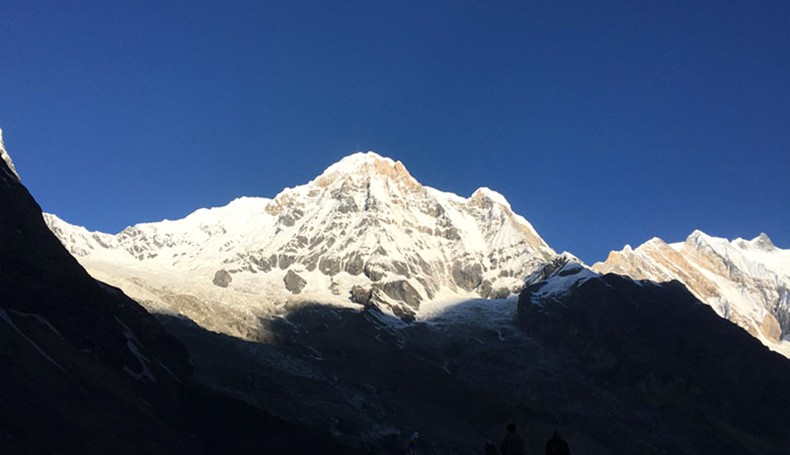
(6, 157)
(745, 281)
(365, 227)
(366, 233)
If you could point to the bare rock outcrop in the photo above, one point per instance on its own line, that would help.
(293, 282)
(222, 278)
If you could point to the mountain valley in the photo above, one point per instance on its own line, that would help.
(363, 307)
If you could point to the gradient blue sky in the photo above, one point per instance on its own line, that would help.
(603, 122)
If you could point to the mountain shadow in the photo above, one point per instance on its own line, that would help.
(658, 346)
(618, 367)
(370, 378)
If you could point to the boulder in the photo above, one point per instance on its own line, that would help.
(222, 278)
(293, 282)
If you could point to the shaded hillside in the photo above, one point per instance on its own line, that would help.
(84, 369)
(618, 367)
(658, 346)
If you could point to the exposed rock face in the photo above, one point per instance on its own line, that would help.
(329, 265)
(770, 328)
(293, 282)
(745, 281)
(363, 221)
(487, 291)
(222, 278)
(402, 291)
(467, 276)
(361, 295)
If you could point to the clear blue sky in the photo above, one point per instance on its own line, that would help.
(604, 123)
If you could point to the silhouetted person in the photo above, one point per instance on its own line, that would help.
(557, 446)
(411, 447)
(490, 449)
(512, 444)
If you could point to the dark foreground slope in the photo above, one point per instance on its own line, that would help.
(84, 369)
(616, 367)
(656, 346)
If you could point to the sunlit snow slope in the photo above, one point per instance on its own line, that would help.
(366, 233)
(745, 281)
(5, 157)
(365, 224)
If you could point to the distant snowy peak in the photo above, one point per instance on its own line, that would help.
(6, 157)
(761, 242)
(364, 224)
(745, 281)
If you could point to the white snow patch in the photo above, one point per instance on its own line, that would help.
(562, 280)
(7, 318)
(7, 158)
(134, 347)
(40, 319)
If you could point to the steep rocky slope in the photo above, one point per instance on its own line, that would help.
(85, 369)
(83, 366)
(744, 281)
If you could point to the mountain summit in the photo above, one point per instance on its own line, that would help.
(366, 164)
(364, 228)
